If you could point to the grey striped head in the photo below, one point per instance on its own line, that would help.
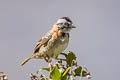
(65, 24)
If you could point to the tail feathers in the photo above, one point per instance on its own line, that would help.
(26, 60)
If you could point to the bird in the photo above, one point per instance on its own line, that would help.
(54, 42)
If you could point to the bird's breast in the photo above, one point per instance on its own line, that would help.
(60, 45)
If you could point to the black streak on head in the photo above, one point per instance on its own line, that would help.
(67, 18)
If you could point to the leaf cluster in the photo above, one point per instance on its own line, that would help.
(63, 71)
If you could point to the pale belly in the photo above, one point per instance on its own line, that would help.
(59, 48)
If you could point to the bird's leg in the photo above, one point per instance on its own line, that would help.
(49, 60)
(46, 59)
(50, 64)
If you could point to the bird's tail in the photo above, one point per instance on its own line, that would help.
(26, 60)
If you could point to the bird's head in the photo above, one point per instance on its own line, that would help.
(65, 24)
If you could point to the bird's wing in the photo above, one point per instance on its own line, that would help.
(43, 41)
(52, 33)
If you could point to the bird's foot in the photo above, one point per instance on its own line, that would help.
(50, 65)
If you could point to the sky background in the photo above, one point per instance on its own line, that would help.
(95, 41)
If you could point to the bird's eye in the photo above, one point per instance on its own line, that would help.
(65, 23)
(62, 28)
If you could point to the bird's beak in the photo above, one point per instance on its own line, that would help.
(73, 26)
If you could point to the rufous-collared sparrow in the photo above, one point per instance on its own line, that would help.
(54, 42)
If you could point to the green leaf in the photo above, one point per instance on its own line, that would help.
(55, 74)
(66, 71)
(70, 58)
(47, 69)
(42, 79)
(84, 73)
(78, 71)
(64, 76)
